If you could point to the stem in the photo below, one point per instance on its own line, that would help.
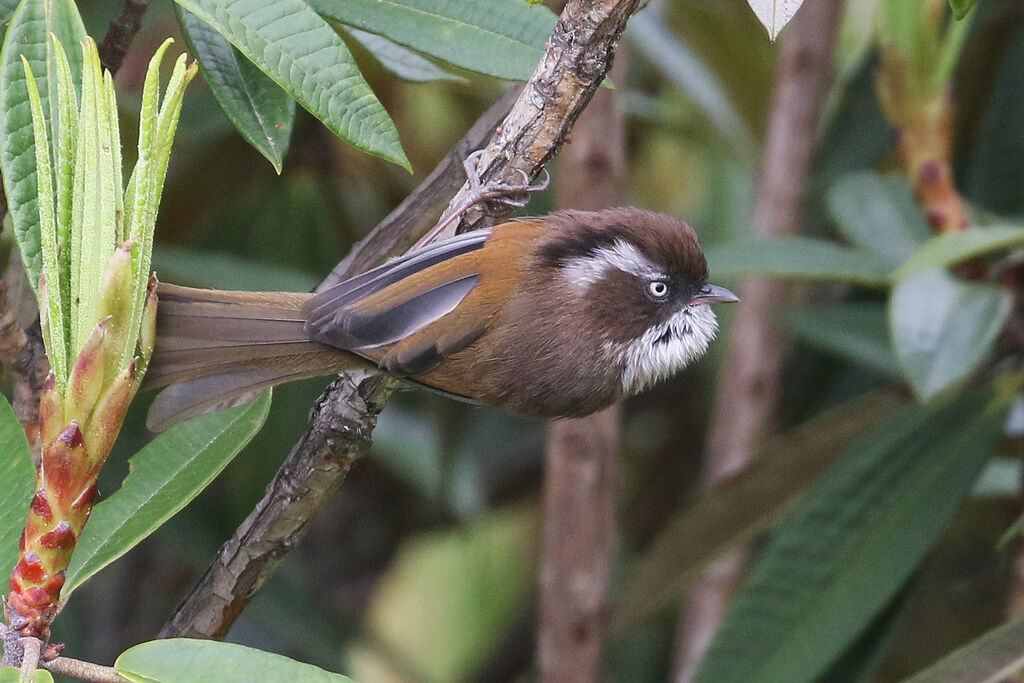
(31, 650)
(65, 666)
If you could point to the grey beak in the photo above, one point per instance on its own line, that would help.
(713, 294)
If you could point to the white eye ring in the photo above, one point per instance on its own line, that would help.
(658, 289)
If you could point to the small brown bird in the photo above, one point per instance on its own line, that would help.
(553, 316)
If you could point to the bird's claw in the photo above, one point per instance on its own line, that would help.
(506, 193)
(510, 194)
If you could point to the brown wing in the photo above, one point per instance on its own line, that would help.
(410, 314)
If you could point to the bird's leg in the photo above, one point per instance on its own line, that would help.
(506, 193)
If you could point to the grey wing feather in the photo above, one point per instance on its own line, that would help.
(331, 300)
(343, 330)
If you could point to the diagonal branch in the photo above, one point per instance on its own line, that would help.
(577, 57)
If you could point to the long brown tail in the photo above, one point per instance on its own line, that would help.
(214, 346)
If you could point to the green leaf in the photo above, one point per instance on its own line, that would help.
(400, 61)
(27, 36)
(943, 328)
(949, 52)
(7, 8)
(95, 221)
(142, 197)
(260, 110)
(955, 247)
(731, 513)
(962, 7)
(856, 331)
(303, 55)
(468, 585)
(878, 213)
(166, 475)
(9, 674)
(494, 37)
(856, 538)
(206, 661)
(993, 657)
(52, 319)
(798, 258)
(18, 477)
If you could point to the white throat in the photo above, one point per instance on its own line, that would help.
(666, 348)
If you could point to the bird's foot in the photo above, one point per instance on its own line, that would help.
(510, 194)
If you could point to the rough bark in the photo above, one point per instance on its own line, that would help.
(582, 458)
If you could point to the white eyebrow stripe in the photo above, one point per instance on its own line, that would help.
(584, 271)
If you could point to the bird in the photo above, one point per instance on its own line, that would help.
(547, 317)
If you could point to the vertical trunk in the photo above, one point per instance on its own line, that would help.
(581, 462)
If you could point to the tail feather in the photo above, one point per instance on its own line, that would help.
(183, 400)
(214, 346)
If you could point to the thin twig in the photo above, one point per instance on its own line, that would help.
(87, 671)
(752, 366)
(120, 34)
(575, 62)
(31, 652)
(581, 473)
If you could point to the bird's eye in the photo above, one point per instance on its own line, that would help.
(658, 289)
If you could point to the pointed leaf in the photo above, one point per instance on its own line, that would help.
(302, 54)
(401, 61)
(962, 7)
(800, 258)
(955, 247)
(18, 477)
(855, 539)
(858, 332)
(774, 14)
(879, 213)
(53, 320)
(732, 512)
(201, 661)
(994, 657)
(28, 35)
(495, 37)
(943, 328)
(260, 110)
(10, 674)
(166, 475)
